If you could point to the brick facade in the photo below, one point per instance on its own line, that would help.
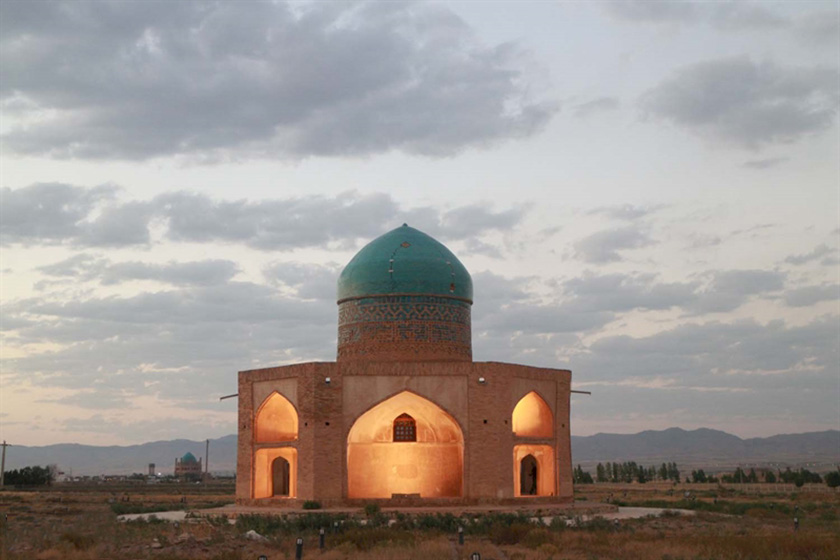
(404, 348)
(327, 412)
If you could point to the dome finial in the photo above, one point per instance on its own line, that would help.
(405, 224)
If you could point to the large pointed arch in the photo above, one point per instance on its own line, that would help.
(431, 466)
(532, 417)
(276, 420)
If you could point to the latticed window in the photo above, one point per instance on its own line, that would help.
(405, 428)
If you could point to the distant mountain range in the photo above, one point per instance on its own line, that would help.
(76, 459)
(709, 449)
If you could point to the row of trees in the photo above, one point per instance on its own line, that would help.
(788, 476)
(30, 476)
(630, 471)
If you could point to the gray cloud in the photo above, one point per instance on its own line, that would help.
(624, 292)
(819, 29)
(809, 295)
(308, 281)
(739, 15)
(595, 106)
(135, 81)
(729, 289)
(734, 15)
(748, 104)
(625, 211)
(604, 246)
(765, 163)
(55, 213)
(819, 252)
(692, 353)
(48, 212)
(166, 343)
(106, 272)
(643, 11)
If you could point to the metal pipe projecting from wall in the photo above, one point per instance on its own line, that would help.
(582, 392)
(229, 396)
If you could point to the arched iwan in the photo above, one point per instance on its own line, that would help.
(276, 420)
(430, 466)
(532, 417)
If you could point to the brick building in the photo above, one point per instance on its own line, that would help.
(404, 414)
(188, 466)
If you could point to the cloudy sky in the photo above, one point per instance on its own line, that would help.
(646, 193)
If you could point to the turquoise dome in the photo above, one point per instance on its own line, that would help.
(405, 261)
(189, 458)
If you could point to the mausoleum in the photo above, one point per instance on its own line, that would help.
(404, 415)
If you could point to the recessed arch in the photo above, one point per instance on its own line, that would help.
(264, 472)
(533, 470)
(431, 465)
(532, 417)
(276, 420)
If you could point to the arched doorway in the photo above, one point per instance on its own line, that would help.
(528, 476)
(270, 478)
(405, 445)
(534, 470)
(280, 470)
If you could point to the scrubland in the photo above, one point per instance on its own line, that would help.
(726, 525)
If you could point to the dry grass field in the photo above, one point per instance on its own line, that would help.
(727, 525)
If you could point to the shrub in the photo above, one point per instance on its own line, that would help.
(372, 509)
(509, 534)
(538, 537)
(79, 541)
(367, 538)
(121, 508)
(311, 504)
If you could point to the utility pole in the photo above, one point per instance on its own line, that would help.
(3, 464)
(207, 457)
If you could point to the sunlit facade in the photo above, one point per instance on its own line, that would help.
(404, 415)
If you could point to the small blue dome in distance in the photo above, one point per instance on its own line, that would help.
(189, 458)
(405, 261)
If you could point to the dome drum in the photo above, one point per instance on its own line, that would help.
(404, 296)
(404, 327)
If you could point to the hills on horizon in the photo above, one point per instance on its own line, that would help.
(700, 448)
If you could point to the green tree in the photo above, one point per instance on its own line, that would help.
(600, 473)
(769, 477)
(832, 479)
(30, 476)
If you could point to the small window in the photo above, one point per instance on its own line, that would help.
(405, 428)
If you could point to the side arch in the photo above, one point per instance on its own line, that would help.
(276, 420)
(535, 461)
(532, 417)
(431, 465)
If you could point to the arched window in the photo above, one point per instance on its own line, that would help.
(276, 420)
(532, 417)
(405, 428)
